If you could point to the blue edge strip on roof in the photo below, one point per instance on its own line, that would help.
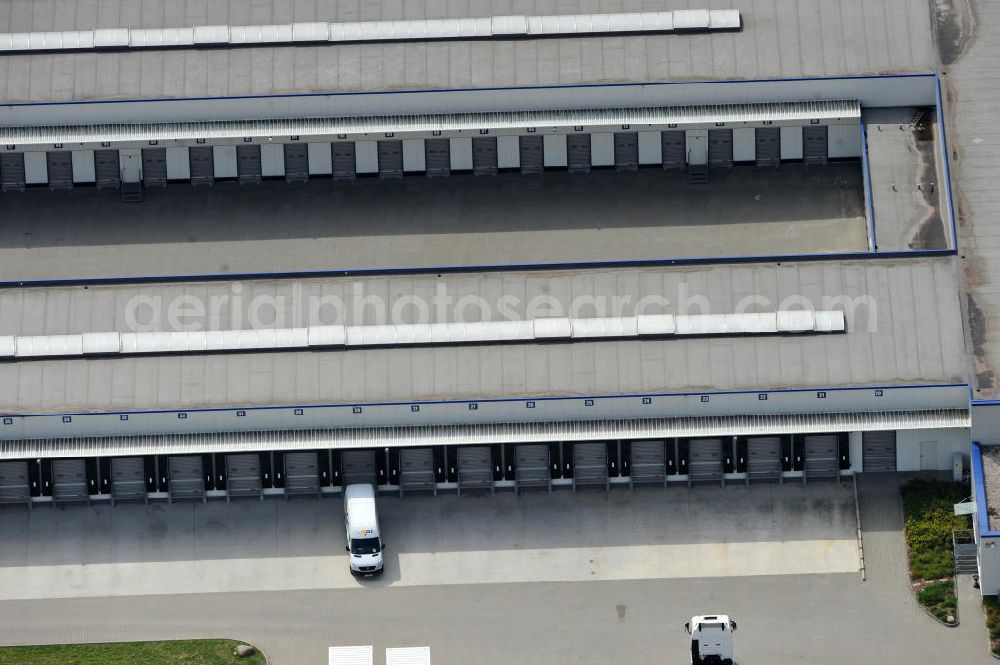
(982, 508)
(676, 261)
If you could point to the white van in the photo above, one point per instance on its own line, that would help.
(364, 540)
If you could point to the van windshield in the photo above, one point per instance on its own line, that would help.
(365, 546)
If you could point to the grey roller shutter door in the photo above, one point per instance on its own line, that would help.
(301, 473)
(674, 150)
(590, 464)
(186, 478)
(358, 467)
(475, 468)
(69, 480)
(437, 158)
(648, 462)
(416, 470)
(60, 166)
(107, 169)
(531, 154)
(296, 162)
(12, 172)
(390, 160)
(532, 467)
(704, 460)
(821, 453)
(814, 144)
(128, 478)
(243, 475)
(878, 451)
(14, 487)
(720, 147)
(578, 153)
(154, 167)
(767, 142)
(202, 163)
(626, 151)
(248, 166)
(345, 164)
(484, 155)
(763, 458)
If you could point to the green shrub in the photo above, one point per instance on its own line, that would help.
(930, 520)
(934, 594)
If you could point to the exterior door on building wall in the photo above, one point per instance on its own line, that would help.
(928, 455)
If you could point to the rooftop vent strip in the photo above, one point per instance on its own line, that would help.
(395, 335)
(495, 27)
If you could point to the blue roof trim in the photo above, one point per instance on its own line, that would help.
(982, 509)
(867, 178)
(487, 89)
(488, 400)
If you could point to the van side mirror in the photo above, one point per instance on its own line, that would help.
(732, 625)
(382, 548)
(347, 549)
(687, 627)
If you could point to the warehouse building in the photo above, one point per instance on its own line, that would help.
(173, 166)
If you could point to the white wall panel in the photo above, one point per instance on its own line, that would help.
(225, 161)
(178, 164)
(461, 153)
(949, 441)
(320, 158)
(414, 155)
(83, 166)
(855, 442)
(844, 141)
(554, 146)
(366, 156)
(791, 143)
(272, 159)
(508, 152)
(36, 168)
(602, 149)
(650, 148)
(744, 147)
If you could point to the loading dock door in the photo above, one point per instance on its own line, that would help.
(590, 464)
(674, 149)
(202, 165)
(814, 144)
(358, 467)
(243, 475)
(626, 151)
(767, 142)
(878, 451)
(390, 160)
(531, 154)
(128, 479)
(720, 147)
(648, 462)
(437, 158)
(475, 468)
(484, 155)
(416, 470)
(296, 163)
(69, 480)
(154, 167)
(578, 153)
(187, 480)
(12, 172)
(248, 164)
(822, 456)
(704, 460)
(14, 486)
(107, 169)
(60, 169)
(532, 467)
(302, 473)
(764, 458)
(344, 161)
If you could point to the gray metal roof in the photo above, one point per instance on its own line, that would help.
(779, 39)
(588, 430)
(915, 339)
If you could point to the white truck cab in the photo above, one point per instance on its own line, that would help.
(711, 639)
(364, 540)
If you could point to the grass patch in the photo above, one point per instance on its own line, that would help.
(181, 652)
(992, 610)
(928, 506)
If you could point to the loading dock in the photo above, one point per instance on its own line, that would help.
(416, 470)
(69, 481)
(154, 167)
(243, 475)
(302, 473)
(475, 468)
(821, 452)
(878, 451)
(186, 478)
(705, 461)
(128, 479)
(14, 485)
(296, 163)
(248, 164)
(590, 464)
(763, 460)
(648, 461)
(531, 467)
(359, 467)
